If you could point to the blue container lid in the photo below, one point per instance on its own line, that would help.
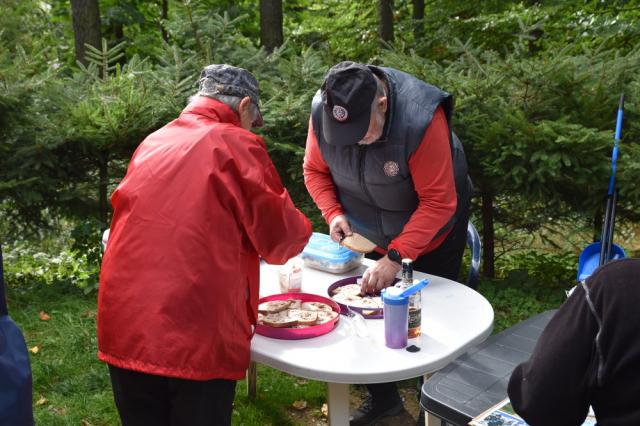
(391, 296)
(322, 247)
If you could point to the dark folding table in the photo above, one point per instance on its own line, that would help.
(478, 379)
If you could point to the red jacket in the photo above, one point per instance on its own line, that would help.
(432, 174)
(200, 202)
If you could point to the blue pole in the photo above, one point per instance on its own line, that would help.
(616, 146)
(609, 218)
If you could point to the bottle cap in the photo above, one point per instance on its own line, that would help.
(393, 296)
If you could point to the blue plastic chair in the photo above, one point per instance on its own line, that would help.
(475, 248)
(15, 369)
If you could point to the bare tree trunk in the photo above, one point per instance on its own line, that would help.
(271, 24)
(597, 225)
(488, 237)
(385, 9)
(418, 18)
(85, 16)
(165, 15)
(103, 173)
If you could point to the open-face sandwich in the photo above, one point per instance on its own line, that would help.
(316, 306)
(294, 313)
(358, 243)
(274, 306)
(349, 295)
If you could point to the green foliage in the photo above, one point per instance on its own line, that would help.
(28, 268)
(535, 112)
(70, 386)
(28, 166)
(214, 38)
(528, 282)
(112, 104)
(537, 129)
(347, 30)
(537, 269)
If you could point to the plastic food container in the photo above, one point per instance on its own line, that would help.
(325, 254)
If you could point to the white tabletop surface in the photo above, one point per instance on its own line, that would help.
(454, 318)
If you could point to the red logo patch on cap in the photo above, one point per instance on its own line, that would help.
(340, 113)
(391, 168)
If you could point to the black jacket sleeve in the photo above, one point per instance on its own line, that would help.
(552, 388)
(589, 354)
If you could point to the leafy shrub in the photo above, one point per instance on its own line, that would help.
(27, 267)
(529, 282)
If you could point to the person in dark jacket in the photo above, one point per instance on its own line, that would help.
(381, 161)
(200, 204)
(588, 354)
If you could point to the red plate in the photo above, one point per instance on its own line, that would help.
(299, 333)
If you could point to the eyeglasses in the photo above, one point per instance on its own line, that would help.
(256, 118)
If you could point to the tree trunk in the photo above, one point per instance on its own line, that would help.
(385, 9)
(85, 16)
(418, 20)
(488, 237)
(165, 15)
(103, 160)
(597, 225)
(117, 29)
(271, 24)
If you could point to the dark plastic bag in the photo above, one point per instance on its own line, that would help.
(15, 369)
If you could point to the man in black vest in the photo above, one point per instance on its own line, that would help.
(382, 161)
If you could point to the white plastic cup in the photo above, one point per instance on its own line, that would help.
(290, 276)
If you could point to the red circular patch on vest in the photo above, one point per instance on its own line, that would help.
(391, 168)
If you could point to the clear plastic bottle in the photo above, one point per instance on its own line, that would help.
(415, 300)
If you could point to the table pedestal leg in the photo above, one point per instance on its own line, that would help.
(338, 403)
(431, 420)
(251, 380)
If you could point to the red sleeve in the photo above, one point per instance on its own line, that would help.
(276, 228)
(432, 172)
(317, 179)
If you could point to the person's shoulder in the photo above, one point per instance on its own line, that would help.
(231, 132)
(619, 267)
(617, 273)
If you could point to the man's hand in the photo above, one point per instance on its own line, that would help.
(339, 228)
(380, 275)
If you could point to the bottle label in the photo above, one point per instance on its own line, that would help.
(415, 318)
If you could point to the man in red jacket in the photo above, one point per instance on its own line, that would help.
(200, 204)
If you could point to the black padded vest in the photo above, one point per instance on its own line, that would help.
(373, 181)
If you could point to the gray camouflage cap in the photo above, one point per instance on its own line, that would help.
(223, 79)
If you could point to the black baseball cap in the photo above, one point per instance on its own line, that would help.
(347, 92)
(223, 79)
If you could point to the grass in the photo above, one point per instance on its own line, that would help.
(71, 387)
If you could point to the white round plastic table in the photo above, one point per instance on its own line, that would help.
(454, 318)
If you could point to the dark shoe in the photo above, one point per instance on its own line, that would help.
(368, 412)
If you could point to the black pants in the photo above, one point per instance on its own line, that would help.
(444, 262)
(149, 400)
